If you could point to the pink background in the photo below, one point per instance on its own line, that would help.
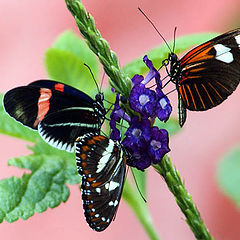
(29, 27)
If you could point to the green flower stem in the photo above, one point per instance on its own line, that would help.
(183, 198)
(122, 84)
(85, 22)
(139, 207)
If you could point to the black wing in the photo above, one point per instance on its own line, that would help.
(60, 112)
(30, 104)
(101, 162)
(61, 129)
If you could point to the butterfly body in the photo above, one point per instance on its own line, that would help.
(58, 111)
(207, 74)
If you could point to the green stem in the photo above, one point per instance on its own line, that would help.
(183, 198)
(86, 25)
(140, 209)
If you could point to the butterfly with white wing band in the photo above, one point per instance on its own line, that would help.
(102, 164)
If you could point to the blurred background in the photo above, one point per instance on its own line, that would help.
(28, 28)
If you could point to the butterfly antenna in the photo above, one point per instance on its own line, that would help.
(144, 199)
(92, 76)
(174, 38)
(154, 27)
(171, 91)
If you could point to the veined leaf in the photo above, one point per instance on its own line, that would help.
(35, 192)
(70, 42)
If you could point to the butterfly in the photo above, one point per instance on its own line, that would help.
(102, 164)
(207, 74)
(58, 111)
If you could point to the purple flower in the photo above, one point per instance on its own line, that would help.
(116, 115)
(137, 134)
(143, 100)
(136, 79)
(140, 160)
(164, 108)
(153, 73)
(158, 146)
(145, 144)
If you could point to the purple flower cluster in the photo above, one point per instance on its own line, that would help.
(146, 143)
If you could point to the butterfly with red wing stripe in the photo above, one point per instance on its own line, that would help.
(101, 163)
(207, 74)
(59, 112)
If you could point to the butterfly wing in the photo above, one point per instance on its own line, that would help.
(60, 112)
(60, 129)
(30, 104)
(210, 72)
(101, 163)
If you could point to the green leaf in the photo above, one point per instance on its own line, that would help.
(35, 192)
(70, 42)
(228, 174)
(65, 67)
(11, 127)
(172, 125)
(65, 62)
(41, 147)
(158, 54)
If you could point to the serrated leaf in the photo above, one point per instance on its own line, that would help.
(45, 187)
(228, 174)
(41, 147)
(172, 125)
(158, 54)
(11, 127)
(70, 42)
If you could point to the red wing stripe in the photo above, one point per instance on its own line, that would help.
(215, 90)
(195, 85)
(183, 87)
(43, 105)
(208, 94)
(191, 96)
(222, 86)
(198, 53)
(59, 87)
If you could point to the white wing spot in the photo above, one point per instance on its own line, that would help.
(98, 190)
(115, 203)
(238, 40)
(223, 53)
(113, 185)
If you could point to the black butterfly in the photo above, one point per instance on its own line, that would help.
(59, 112)
(207, 74)
(101, 163)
